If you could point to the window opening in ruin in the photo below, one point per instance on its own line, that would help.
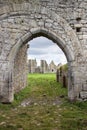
(52, 70)
(78, 19)
(78, 29)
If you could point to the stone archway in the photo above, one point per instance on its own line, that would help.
(26, 21)
(21, 45)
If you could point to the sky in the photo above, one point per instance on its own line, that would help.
(42, 48)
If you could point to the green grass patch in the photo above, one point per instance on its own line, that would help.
(46, 110)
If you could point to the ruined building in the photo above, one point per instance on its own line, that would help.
(43, 68)
(32, 65)
(62, 21)
(52, 67)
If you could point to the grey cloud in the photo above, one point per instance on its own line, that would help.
(36, 52)
(43, 48)
(40, 42)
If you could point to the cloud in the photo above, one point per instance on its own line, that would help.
(34, 51)
(43, 48)
(40, 42)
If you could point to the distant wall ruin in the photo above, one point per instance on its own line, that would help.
(43, 68)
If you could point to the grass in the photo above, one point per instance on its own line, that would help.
(40, 107)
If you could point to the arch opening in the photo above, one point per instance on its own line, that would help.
(45, 57)
(37, 32)
(41, 48)
(21, 46)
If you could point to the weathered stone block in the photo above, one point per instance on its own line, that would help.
(84, 88)
(83, 94)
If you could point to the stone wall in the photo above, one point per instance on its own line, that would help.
(52, 67)
(43, 68)
(20, 69)
(63, 21)
(32, 65)
(62, 76)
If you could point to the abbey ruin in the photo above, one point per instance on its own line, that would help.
(43, 68)
(62, 21)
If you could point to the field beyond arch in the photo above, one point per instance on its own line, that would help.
(43, 105)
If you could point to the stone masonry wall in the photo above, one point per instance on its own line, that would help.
(62, 76)
(63, 21)
(20, 69)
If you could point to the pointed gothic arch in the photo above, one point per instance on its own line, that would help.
(36, 32)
